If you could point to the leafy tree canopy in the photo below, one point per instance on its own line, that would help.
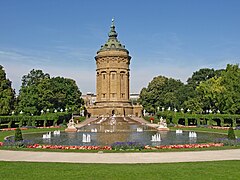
(7, 94)
(161, 92)
(41, 92)
(202, 75)
(207, 89)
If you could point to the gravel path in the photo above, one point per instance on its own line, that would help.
(115, 158)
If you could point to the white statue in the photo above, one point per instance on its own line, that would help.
(71, 123)
(162, 125)
(71, 126)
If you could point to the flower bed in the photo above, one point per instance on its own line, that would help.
(184, 146)
(38, 146)
(12, 129)
(147, 147)
(217, 127)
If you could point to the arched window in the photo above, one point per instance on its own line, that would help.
(103, 74)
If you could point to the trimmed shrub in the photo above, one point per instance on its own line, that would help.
(29, 122)
(64, 123)
(18, 135)
(231, 134)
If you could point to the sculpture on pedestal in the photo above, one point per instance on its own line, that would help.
(71, 126)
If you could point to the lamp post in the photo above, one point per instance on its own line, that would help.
(169, 108)
(182, 110)
(21, 112)
(61, 110)
(188, 110)
(55, 110)
(163, 109)
(13, 113)
(175, 110)
(47, 110)
(42, 111)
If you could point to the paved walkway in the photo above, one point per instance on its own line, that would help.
(128, 158)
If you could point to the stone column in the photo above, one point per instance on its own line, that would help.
(118, 85)
(108, 85)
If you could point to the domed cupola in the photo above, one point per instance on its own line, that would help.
(112, 43)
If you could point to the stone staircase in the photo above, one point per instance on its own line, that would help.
(86, 122)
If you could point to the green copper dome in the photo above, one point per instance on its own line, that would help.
(112, 43)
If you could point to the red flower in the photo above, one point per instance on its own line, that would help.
(151, 118)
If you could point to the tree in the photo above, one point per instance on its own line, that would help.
(41, 92)
(211, 92)
(161, 92)
(34, 94)
(66, 93)
(198, 77)
(195, 104)
(34, 78)
(18, 135)
(7, 94)
(222, 92)
(231, 81)
(201, 76)
(231, 134)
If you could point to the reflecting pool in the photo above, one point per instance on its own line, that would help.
(120, 130)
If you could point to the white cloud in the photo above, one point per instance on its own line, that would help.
(72, 63)
(79, 64)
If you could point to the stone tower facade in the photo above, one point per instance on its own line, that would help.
(112, 79)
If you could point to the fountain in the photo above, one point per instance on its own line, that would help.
(179, 131)
(156, 138)
(192, 135)
(94, 130)
(105, 134)
(47, 135)
(56, 132)
(86, 138)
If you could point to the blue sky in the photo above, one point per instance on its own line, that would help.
(173, 38)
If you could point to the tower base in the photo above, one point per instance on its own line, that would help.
(119, 109)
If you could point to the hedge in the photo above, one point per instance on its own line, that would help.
(31, 120)
(207, 119)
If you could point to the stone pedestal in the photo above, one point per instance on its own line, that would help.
(71, 126)
(71, 129)
(163, 129)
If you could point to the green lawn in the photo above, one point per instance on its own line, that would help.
(237, 132)
(10, 133)
(196, 170)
